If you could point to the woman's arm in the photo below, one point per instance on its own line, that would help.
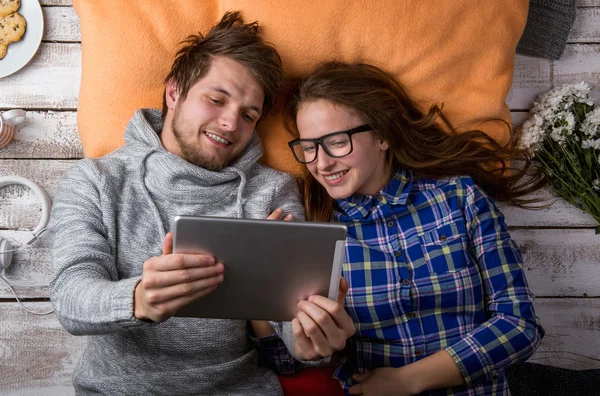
(433, 372)
(512, 331)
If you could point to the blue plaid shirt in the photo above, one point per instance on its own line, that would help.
(431, 267)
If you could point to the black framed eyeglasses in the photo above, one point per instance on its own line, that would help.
(336, 145)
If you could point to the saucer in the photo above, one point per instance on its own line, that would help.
(21, 52)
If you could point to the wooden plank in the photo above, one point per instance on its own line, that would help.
(37, 356)
(572, 328)
(559, 214)
(31, 269)
(66, 3)
(40, 356)
(587, 3)
(61, 24)
(48, 134)
(518, 117)
(586, 28)
(561, 262)
(530, 78)
(49, 81)
(19, 206)
(580, 62)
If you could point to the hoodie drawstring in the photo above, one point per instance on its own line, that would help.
(240, 199)
(142, 172)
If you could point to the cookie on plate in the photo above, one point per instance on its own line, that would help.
(12, 28)
(8, 7)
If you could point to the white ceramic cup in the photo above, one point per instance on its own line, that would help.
(9, 121)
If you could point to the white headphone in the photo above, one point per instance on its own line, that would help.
(6, 248)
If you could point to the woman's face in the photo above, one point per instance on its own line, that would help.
(363, 171)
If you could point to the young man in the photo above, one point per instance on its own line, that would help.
(114, 275)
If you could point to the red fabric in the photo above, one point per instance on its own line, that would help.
(317, 381)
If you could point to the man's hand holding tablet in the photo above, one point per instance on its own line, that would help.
(171, 281)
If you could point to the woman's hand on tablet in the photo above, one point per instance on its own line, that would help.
(277, 213)
(322, 326)
(172, 280)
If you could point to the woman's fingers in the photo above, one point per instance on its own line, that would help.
(303, 347)
(335, 312)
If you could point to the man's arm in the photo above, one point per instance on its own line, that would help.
(86, 292)
(287, 198)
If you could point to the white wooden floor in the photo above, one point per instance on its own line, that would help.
(562, 253)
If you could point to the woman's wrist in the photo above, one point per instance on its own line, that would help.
(261, 328)
(409, 379)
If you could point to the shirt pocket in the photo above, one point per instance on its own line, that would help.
(446, 249)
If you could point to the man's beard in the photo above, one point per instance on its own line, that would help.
(193, 153)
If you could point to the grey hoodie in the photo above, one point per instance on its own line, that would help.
(109, 216)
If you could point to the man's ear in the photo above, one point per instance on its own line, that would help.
(171, 94)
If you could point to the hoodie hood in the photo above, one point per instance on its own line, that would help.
(170, 180)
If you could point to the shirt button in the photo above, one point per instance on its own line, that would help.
(398, 253)
(380, 198)
(390, 223)
(418, 352)
(411, 315)
(405, 281)
(443, 238)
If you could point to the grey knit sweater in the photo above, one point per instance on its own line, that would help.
(109, 216)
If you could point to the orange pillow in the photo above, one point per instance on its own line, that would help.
(456, 52)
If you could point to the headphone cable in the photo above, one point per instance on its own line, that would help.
(8, 284)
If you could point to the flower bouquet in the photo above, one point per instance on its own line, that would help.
(563, 135)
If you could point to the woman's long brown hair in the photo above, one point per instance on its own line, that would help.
(426, 144)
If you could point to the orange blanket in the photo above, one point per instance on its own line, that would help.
(456, 52)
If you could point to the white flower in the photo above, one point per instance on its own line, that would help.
(563, 125)
(590, 143)
(596, 184)
(581, 92)
(591, 125)
(562, 98)
(533, 133)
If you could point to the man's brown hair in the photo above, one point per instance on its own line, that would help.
(239, 41)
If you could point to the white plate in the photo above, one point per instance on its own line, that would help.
(21, 52)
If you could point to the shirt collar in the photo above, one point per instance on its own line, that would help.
(358, 206)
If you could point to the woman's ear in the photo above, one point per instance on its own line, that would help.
(171, 94)
(383, 145)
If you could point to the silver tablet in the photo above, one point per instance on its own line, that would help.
(269, 265)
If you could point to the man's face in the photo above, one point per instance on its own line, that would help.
(214, 123)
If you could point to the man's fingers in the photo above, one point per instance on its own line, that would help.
(342, 291)
(178, 261)
(158, 279)
(168, 244)
(276, 215)
(182, 290)
(169, 308)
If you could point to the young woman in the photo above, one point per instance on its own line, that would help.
(436, 286)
